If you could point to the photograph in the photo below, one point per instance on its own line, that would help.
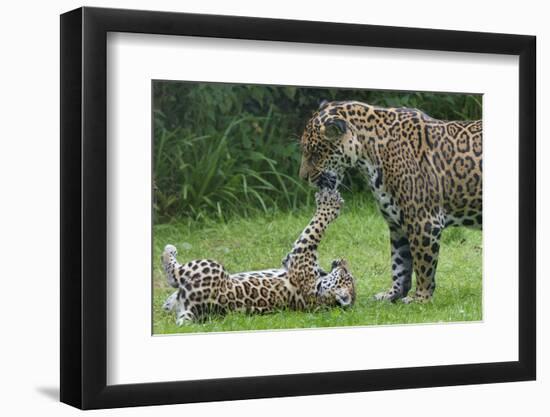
(282, 207)
(340, 208)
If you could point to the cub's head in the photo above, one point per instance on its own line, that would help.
(338, 286)
(329, 144)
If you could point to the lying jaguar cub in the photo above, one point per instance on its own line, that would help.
(205, 286)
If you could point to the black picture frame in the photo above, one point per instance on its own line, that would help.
(84, 207)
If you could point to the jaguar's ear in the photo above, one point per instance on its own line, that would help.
(322, 103)
(334, 128)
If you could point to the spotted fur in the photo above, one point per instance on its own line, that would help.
(425, 175)
(204, 286)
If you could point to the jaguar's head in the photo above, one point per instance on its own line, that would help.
(329, 146)
(338, 286)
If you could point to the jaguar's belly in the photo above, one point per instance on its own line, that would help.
(469, 219)
(264, 273)
(467, 210)
(392, 213)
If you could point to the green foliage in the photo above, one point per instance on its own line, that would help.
(360, 235)
(222, 149)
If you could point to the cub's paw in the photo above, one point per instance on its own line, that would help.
(329, 199)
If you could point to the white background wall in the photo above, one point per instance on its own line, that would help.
(29, 164)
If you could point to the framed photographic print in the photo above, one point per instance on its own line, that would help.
(258, 207)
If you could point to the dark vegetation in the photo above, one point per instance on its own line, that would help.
(225, 150)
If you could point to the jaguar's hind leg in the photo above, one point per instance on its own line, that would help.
(425, 251)
(170, 302)
(184, 317)
(184, 309)
(170, 265)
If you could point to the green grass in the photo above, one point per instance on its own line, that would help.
(359, 234)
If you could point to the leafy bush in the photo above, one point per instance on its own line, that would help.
(224, 149)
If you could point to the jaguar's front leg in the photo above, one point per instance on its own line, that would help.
(401, 264)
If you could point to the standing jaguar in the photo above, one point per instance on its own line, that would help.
(425, 174)
(205, 286)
